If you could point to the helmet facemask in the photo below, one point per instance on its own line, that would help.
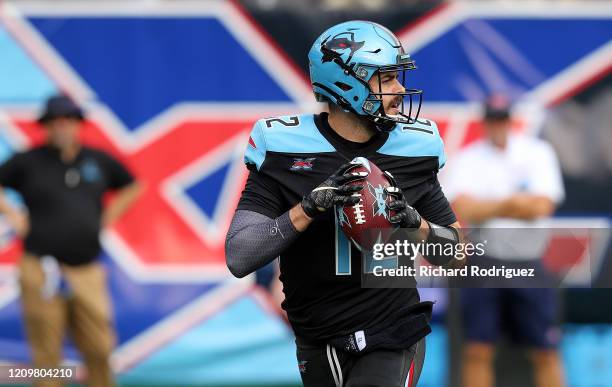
(410, 104)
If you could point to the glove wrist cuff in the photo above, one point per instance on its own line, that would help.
(308, 209)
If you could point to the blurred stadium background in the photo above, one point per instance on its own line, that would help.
(172, 88)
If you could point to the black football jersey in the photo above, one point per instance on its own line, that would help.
(288, 157)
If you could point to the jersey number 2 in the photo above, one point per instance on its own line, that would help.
(293, 121)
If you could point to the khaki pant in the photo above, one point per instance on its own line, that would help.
(85, 313)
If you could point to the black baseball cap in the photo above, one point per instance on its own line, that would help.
(497, 108)
(60, 106)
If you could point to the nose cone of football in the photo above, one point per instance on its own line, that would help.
(367, 222)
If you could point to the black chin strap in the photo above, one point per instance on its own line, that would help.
(381, 124)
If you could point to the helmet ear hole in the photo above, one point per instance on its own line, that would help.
(343, 86)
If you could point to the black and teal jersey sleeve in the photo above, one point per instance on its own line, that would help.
(255, 153)
(261, 194)
(286, 157)
(286, 135)
(418, 140)
(433, 205)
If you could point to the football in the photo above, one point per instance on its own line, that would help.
(367, 222)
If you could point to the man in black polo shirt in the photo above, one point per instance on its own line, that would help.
(62, 285)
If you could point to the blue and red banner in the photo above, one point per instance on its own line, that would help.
(172, 89)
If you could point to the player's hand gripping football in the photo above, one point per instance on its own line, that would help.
(402, 214)
(336, 190)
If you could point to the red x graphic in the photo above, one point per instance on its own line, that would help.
(152, 229)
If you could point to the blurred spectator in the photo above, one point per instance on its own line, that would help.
(507, 180)
(62, 285)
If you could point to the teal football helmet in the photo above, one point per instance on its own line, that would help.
(345, 58)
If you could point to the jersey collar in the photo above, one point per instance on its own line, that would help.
(344, 146)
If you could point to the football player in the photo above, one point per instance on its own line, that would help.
(299, 171)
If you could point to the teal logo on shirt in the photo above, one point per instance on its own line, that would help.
(90, 171)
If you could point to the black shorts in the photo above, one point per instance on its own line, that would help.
(325, 366)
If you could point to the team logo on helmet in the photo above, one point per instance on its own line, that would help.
(342, 41)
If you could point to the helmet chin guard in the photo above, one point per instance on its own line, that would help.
(343, 61)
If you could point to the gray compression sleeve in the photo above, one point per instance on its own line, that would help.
(253, 240)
